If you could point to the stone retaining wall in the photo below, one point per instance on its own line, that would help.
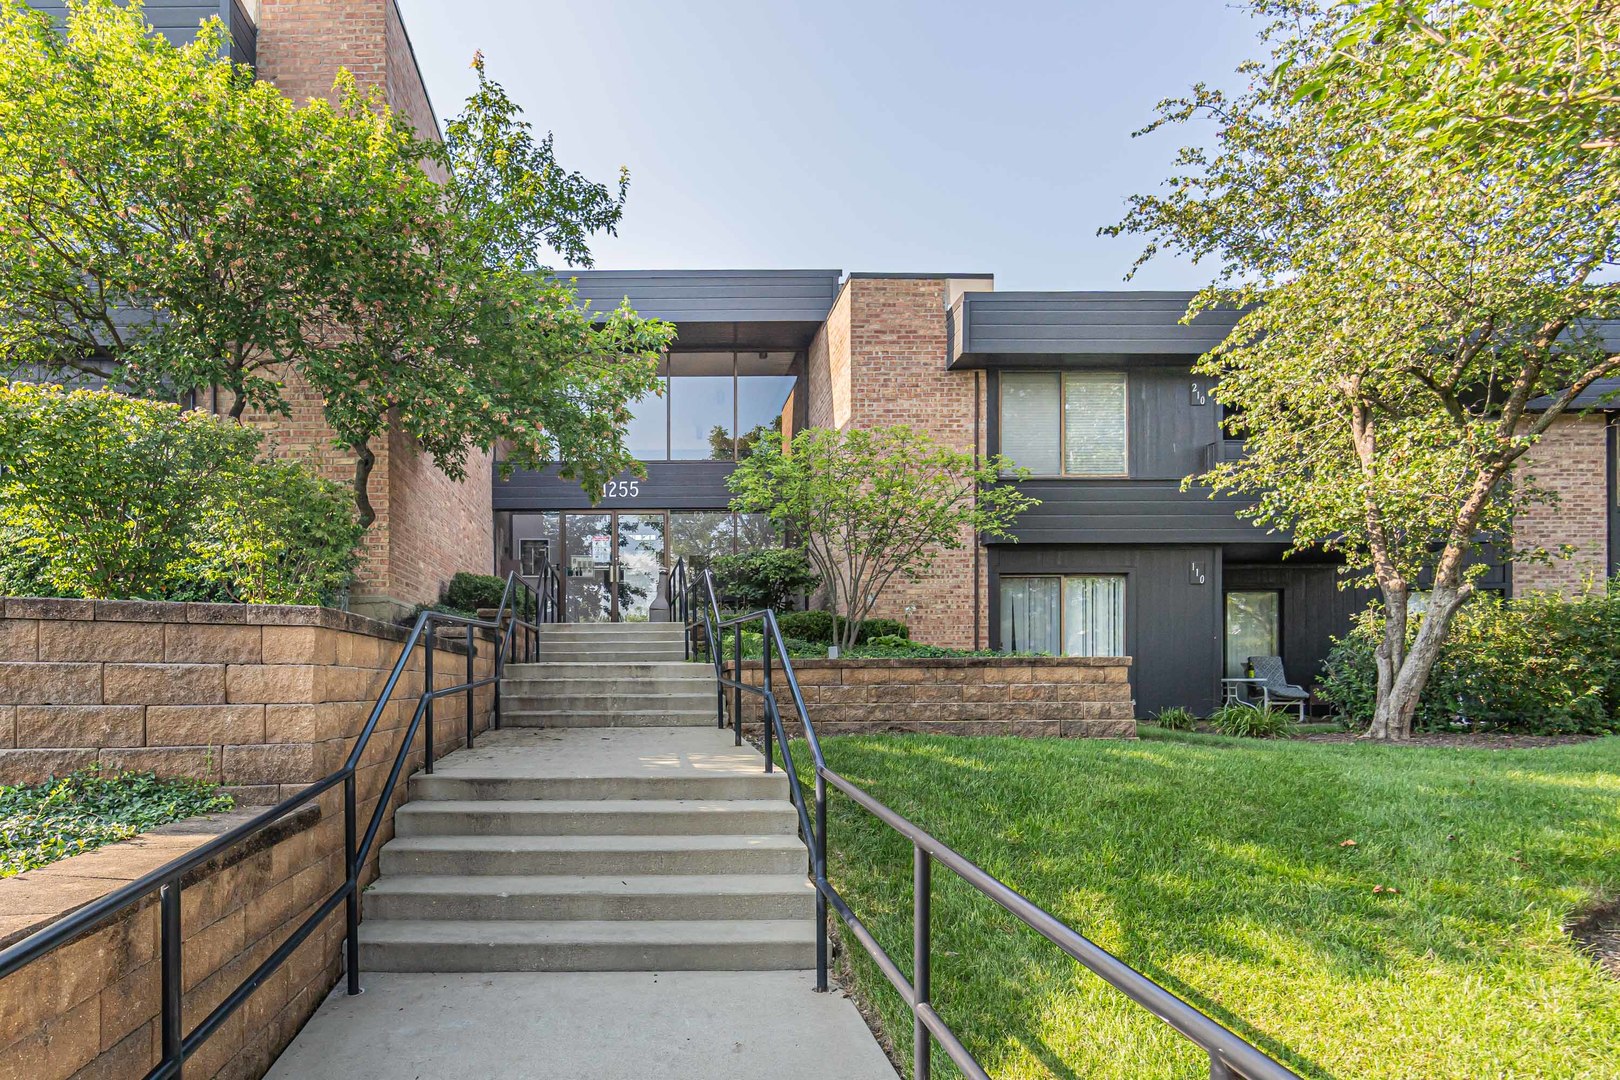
(260, 699)
(91, 1008)
(1087, 697)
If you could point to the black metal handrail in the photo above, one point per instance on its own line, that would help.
(168, 880)
(1230, 1056)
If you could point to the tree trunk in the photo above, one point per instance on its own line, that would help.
(364, 461)
(1407, 676)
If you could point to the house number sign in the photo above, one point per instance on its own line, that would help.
(621, 489)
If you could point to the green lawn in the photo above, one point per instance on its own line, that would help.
(1217, 866)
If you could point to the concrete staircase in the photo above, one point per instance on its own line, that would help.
(609, 675)
(610, 826)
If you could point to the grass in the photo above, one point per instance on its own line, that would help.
(1220, 868)
(42, 823)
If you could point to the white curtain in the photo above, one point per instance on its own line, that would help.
(1094, 423)
(1029, 614)
(1030, 421)
(1094, 615)
(1253, 618)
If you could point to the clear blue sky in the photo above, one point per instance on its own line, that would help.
(885, 135)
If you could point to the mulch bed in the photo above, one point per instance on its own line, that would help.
(1457, 740)
(1599, 932)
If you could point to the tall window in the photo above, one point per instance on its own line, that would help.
(715, 406)
(1253, 627)
(1069, 615)
(1069, 423)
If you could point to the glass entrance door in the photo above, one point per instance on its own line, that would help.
(610, 564)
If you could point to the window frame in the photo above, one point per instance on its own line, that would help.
(1063, 421)
(1226, 630)
(1062, 607)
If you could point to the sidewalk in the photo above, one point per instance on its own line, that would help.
(724, 1025)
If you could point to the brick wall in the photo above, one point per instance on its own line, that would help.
(91, 1009)
(1079, 696)
(428, 527)
(1571, 460)
(895, 358)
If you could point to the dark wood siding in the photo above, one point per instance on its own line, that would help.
(669, 485)
(178, 20)
(713, 295)
(997, 328)
(1172, 624)
(1314, 610)
(1170, 435)
(1130, 512)
(1613, 488)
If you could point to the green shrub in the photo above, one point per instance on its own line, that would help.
(466, 592)
(1539, 664)
(1175, 718)
(41, 823)
(1252, 721)
(817, 626)
(769, 578)
(112, 497)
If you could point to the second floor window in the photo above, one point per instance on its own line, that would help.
(1069, 423)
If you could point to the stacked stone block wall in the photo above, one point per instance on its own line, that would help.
(1570, 461)
(1085, 697)
(91, 1010)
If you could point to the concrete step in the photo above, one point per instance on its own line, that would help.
(759, 785)
(607, 718)
(594, 855)
(595, 817)
(655, 896)
(639, 670)
(535, 695)
(609, 654)
(611, 945)
(660, 634)
(658, 686)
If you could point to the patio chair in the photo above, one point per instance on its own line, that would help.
(1274, 685)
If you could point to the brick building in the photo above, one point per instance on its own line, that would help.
(1092, 391)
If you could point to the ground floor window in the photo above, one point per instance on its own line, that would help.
(1253, 627)
(1064, 615)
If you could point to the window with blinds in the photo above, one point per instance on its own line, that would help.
(1068, 423)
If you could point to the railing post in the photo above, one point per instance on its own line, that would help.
(169, 944)
(352, 901)
(427, 688)
(472, 691)
(922, 925)
(736, 693)
(767, 705)
(1220, 1070)
(821, 881)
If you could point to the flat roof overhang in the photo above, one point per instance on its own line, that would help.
(720, 309)
(1079, 329)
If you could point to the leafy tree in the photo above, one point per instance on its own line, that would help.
(109, 496)
(172, 223)
(868, 504)
(1404, 306)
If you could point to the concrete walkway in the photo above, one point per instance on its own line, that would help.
(676, 1025)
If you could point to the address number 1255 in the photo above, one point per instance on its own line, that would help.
(621, 489)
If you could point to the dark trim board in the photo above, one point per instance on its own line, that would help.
(1613, 488)
(994, 327)
(668, 485)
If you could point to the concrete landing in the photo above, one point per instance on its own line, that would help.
(673, 1025)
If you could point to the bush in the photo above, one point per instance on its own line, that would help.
(1252, 721)
(1175, 718)
(466, 592)
(769, 578)
(106, 496)
(1539, 664)
(817, 626)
